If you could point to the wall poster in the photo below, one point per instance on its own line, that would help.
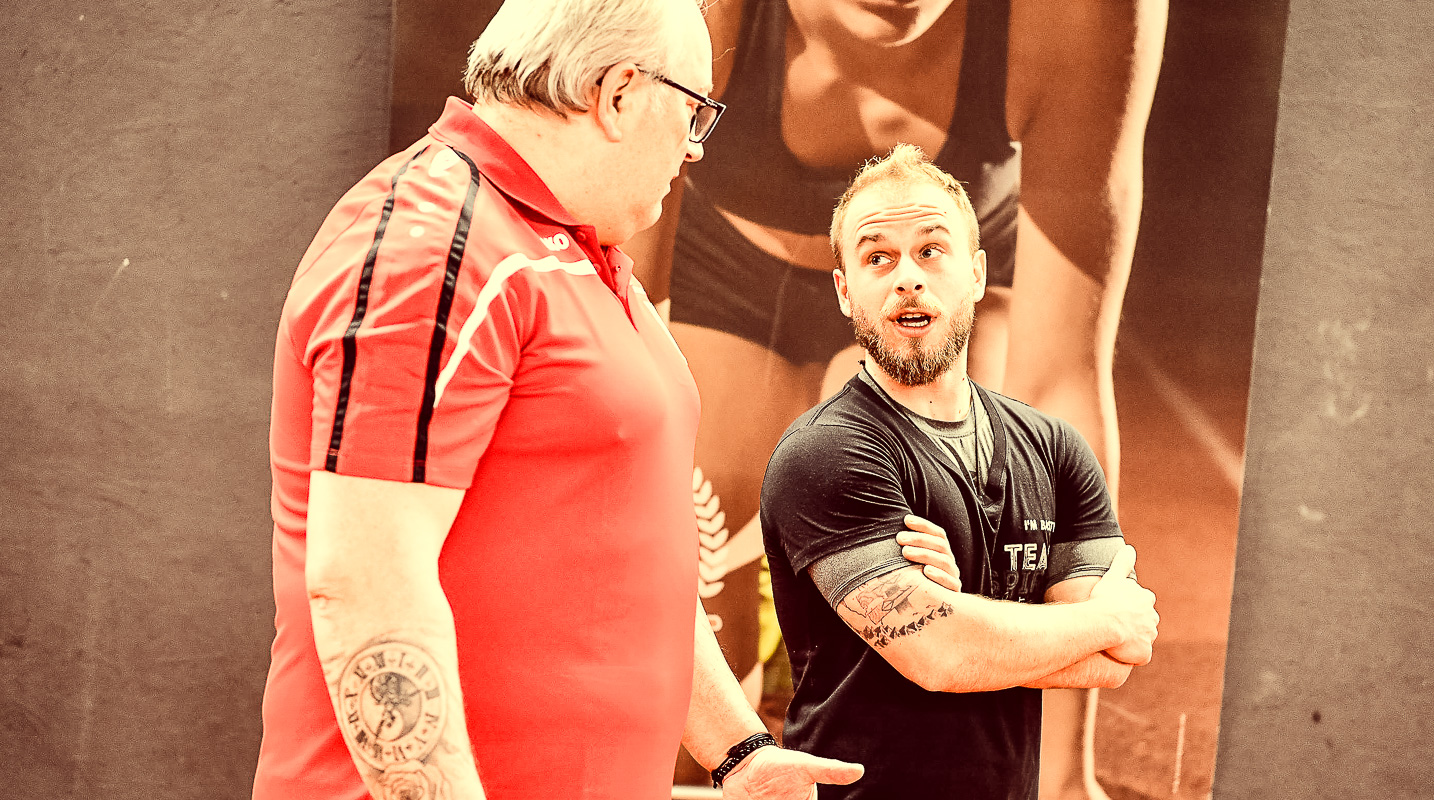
(1134, 324)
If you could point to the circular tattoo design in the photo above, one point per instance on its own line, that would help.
(392, 704)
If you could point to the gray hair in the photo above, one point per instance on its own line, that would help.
(550, 53)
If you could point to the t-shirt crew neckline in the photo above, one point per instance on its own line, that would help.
(988, 445)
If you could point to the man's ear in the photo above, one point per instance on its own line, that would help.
(978, 269)
(839, 278)
(614, 98)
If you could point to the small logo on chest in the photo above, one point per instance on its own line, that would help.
(557, 242)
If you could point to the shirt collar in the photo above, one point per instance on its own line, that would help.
(461, 129)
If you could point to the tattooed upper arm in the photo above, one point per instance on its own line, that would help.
(892, 606)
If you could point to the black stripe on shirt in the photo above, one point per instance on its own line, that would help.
(440, 325)
(350, 343)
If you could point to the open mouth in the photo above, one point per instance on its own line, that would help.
(912, 320)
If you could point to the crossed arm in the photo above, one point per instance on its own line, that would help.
(1097, 670)
(1089, 633)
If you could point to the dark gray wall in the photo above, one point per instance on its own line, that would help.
(165, 164)
(1327, 691)
(203, 143)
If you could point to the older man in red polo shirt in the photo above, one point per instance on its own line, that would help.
(482, 440)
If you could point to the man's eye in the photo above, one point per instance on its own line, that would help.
(930, 251)
(876, 259)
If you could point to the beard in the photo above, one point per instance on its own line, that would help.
(912, 362)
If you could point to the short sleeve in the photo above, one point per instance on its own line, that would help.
(413, 357)
(1083, 509)
(1086, 558)
(828, 489)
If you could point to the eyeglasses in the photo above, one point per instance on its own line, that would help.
(708, 110)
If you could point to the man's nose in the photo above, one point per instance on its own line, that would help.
(694, 151)
(909, 279)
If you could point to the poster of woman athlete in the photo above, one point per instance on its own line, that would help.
(1117, 153)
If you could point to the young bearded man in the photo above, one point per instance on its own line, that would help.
(935, 690)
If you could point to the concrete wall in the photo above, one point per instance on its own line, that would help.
(165, 166)
(1327, 691)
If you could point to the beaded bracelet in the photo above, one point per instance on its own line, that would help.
(738, 752)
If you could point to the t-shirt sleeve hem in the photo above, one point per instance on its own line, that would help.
(389, 467)
(1082, 572)
(1080, 558)
(804, 558)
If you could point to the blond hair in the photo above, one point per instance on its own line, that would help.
(904, 165)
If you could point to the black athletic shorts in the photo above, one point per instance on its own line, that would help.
(722, 281)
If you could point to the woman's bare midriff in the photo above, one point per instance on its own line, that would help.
(799, 249)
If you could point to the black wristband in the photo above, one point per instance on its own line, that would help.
(739, 751)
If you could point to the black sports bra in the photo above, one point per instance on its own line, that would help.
(749, 171)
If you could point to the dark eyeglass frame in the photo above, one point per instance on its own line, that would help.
(698, 131)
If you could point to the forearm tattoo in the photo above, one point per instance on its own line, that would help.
(886, 611)
(392, 710)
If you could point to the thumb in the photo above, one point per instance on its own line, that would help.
(829, 770)
(1122, 565)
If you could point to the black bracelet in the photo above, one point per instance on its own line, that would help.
(739, 751)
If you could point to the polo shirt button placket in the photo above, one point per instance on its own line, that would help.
(581, 236)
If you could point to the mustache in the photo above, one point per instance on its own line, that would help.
(911, 304)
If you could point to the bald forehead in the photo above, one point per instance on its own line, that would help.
(923, 204)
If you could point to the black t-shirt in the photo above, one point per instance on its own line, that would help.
(844, 475)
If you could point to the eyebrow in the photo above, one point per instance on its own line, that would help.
(925, 230)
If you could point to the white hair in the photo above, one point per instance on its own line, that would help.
(550, 53)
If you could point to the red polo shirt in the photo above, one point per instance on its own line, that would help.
(452, 324)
